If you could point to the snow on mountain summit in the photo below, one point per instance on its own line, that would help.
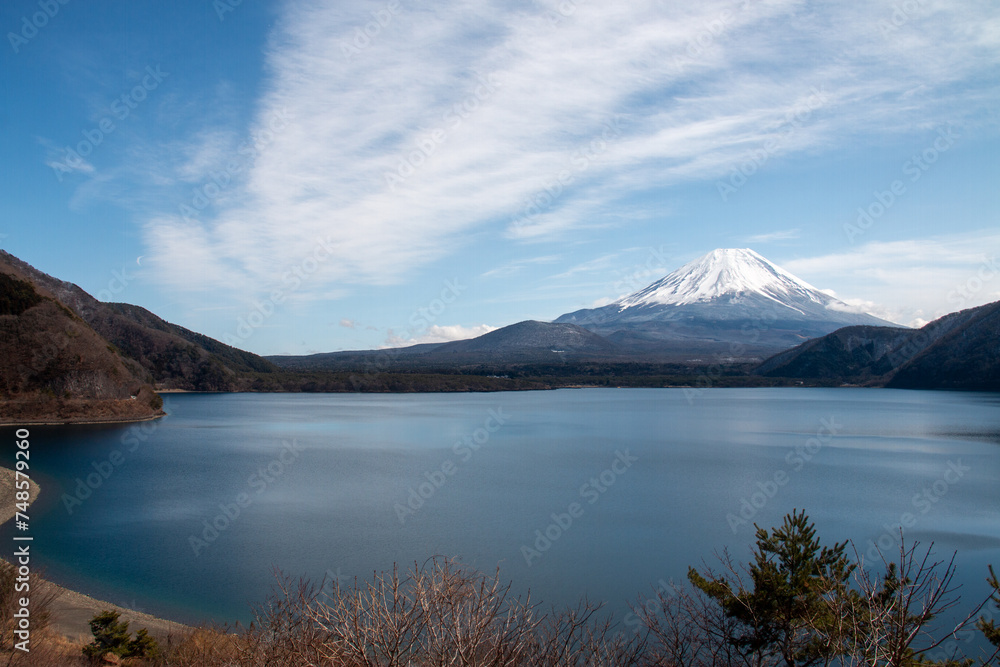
(726, 272)
(731, 298)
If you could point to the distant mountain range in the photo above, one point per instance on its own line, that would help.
(530, 341)
(64, 355)
(728, 299)
(731, 303)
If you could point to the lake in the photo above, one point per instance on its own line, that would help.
(600, 493)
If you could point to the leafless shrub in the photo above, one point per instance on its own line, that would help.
(578, 636)
(441, 614)
(41, 594)
(445, 614)
(208, 647)
(685, 628)
(891, 619)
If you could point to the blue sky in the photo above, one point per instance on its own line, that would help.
(304, 176)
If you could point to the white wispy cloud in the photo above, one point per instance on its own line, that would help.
(601, 263)
(780, 235)
(62, 162)
(208, 153)
(518, 265)
(913, 281)
(537, 122)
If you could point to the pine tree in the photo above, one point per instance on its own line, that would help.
(110, 636)
(143, 646)
(990, 628)
(782, 616)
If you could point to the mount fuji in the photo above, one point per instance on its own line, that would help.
(726, 298)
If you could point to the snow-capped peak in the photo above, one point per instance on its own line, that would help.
(726, 272)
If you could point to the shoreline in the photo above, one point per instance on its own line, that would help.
(71, 611)
(84, 420)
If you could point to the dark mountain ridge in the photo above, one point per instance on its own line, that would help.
(55, 368)
(175, 357)
(529, 341)
(853, 352)
(964, 354)
(958, 351)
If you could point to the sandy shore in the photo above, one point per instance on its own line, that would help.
(72, 611)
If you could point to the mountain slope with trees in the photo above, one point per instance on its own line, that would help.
(965, 356)
(957, 351)
(175, 357)
(55, 368)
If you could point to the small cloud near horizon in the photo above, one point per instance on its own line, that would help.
(438, 334)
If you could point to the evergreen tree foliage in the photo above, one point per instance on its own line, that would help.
(112, 636)
(782, 616)
(990, 627)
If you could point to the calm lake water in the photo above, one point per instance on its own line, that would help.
(631, 485)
